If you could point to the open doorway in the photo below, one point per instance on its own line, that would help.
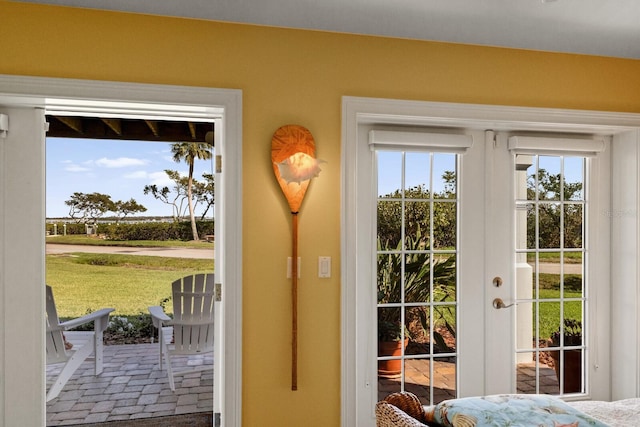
(19, 94)
(130, 209)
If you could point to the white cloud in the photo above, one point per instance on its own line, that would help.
(136, 175)
(120, 162)
(76, 168)
(160, 179)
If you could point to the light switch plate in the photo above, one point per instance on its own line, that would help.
(324, 267)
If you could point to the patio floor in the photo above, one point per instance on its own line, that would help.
(417, 380)
(130, 387)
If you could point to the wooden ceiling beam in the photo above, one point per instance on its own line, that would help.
(153, 126)
(192, 130)
(73, 123)
(113, 124)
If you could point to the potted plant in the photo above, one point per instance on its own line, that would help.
(390, 327)
(415, 269)
(571, 333)
(390, 343)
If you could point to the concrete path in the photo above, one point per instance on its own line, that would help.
(53, 248)
(553, 268)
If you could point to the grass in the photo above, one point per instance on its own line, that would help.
(84, 282)
(94, 241)
(550, 311)
(129, 283)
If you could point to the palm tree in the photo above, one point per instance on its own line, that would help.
(189, 152)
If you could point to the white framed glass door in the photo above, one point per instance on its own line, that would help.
(416, 272)
(542, 192)
(479, 256)
(496, 347)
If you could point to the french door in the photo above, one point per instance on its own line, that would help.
(543, 250)
(480, 257)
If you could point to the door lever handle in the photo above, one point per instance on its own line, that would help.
(498, 304)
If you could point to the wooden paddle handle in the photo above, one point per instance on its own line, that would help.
(294, 305)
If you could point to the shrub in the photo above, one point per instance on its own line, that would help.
(155, 230)
(131, 326)
(572, 331)
(71, 228)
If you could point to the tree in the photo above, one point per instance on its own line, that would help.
(87, 208)
(550, 211)
(189, 152)
(205, 192)
(176, 198)
(417, 214)
(122, 209)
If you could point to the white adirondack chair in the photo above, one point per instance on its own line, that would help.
(82, 349)
(193, 322)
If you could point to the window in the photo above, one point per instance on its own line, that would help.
(551, 287)
(416, 273)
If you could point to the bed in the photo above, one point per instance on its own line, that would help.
(405, 410)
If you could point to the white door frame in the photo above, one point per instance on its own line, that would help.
(178, 101)
(357, 409)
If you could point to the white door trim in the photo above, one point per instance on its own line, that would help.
(225, 104)
(357, 112)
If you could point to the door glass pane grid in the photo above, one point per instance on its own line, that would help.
(550, 280)
(417, 273)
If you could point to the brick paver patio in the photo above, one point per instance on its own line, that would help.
(417, 380)
(131, 387)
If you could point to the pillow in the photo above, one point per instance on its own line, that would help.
(520, 410)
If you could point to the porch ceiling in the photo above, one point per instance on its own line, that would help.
(64, 126)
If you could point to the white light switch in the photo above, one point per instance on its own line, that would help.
(324, 266)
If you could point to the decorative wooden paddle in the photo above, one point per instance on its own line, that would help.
(293, 156)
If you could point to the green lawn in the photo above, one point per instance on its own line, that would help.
(550, 311)
(128, 283)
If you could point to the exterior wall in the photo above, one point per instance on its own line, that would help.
(297, 77)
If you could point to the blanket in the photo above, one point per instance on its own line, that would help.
(509, 410)
(621, 413)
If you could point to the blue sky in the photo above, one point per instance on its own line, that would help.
(120, 169)
(417, 166)
(417, 170)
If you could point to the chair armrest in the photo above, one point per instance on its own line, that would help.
(387, 415)
(158, 316)
(100, 315)
(53, 328)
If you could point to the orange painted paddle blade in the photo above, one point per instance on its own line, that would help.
(286, 141)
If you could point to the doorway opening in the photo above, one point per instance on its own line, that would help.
(118, 188)
(21, 94)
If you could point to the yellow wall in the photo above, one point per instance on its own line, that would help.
(290, 76)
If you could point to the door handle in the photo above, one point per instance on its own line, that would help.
(498, 304)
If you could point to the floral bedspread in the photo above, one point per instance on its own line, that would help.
(510, 410)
